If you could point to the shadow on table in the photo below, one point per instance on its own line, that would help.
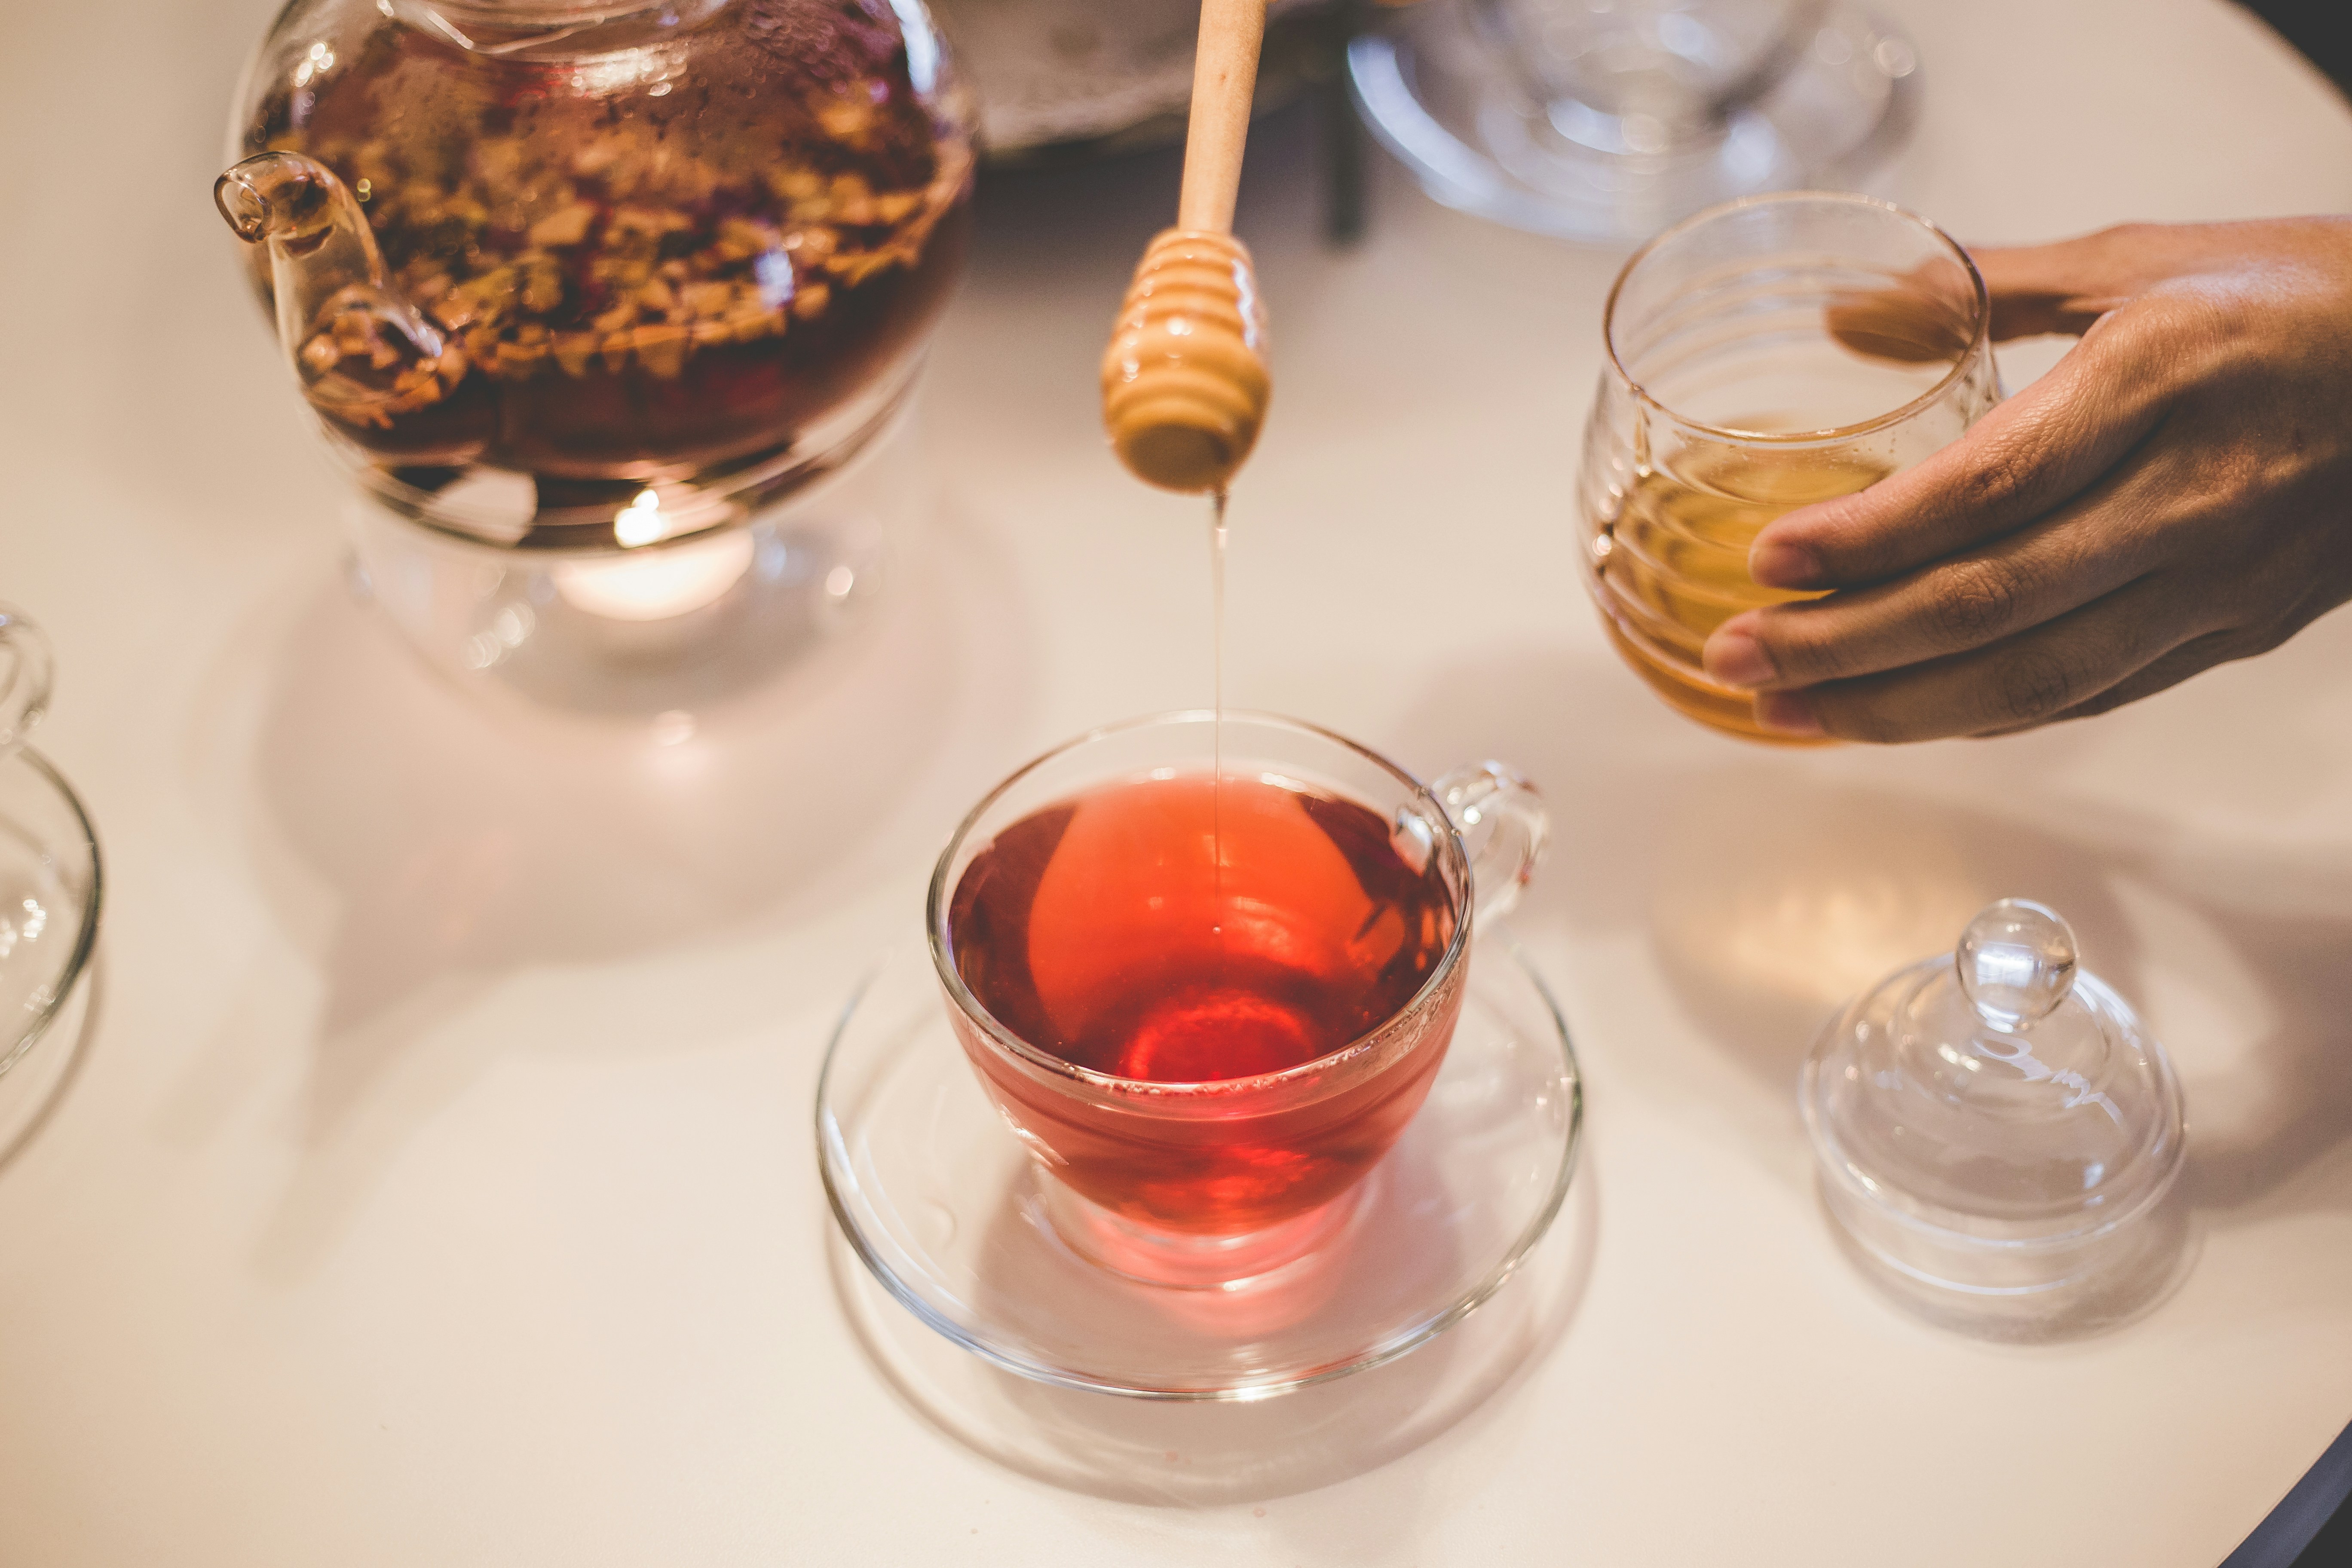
(1200, 1454)
(1775, 902)
(1771, 887)
(425, 843)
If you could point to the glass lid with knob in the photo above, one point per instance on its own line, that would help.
(1995, 1122)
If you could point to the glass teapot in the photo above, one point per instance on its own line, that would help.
(598, 242)
(561, 274)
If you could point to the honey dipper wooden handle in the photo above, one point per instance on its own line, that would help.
(1185, 380)
(1225, 82)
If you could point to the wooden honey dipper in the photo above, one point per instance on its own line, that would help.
(1184, 379)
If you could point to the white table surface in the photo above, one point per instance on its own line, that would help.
(437, 1184)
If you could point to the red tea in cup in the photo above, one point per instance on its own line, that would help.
(1210, 1002)
(1185, 931)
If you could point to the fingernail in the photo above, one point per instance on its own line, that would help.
(1778, 565)
(1788, 712)
(1734, 657)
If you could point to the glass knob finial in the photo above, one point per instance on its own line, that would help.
(2016, 963)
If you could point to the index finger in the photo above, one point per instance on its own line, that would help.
(2031, 289)
(2066, 286)
(2029, 455)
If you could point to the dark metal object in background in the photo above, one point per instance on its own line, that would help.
(1074, 81)
(2320, 28)
(2300, 1531)
(1063, 81)
(1345, 143)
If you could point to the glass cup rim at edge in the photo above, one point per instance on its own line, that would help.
(1979, 341)
(960, 995)
(77, 962)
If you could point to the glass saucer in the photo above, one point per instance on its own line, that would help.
(1458, 103)
(1193, 1453)
(942, 1203)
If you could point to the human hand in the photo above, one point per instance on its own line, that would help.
(2176, 493)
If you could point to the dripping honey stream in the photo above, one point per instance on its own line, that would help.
(1217, 725)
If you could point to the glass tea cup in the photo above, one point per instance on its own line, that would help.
(1294, 866)
(1762, 355)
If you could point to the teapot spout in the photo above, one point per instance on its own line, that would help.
(362, 353)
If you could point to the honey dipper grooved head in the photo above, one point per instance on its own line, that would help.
(1184, 379)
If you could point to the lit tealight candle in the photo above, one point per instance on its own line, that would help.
(658, 584)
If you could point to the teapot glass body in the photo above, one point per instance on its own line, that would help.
(645, 241)
(588, 278)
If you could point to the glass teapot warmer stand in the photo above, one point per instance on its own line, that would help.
(645, 626)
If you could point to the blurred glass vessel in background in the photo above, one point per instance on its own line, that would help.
(1607, 119)
(1769, 354)
(50, 896)
(594, 299)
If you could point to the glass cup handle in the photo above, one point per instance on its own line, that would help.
(1504, 825)
(24, 665)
